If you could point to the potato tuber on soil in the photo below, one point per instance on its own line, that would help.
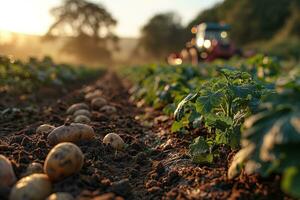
(7, 174)
(34, 168)
(72, 109)
(44, 129)
(114, 140)
(60, 196)
(82, 119)
(33, 187)
(108, 109)
(64, 160)
(82, 112)
(74, 132)
(98, 102)
(91, 95)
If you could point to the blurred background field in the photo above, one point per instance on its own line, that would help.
(270, 27)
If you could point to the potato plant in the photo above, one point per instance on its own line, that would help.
(19, 76)
(222, 105)
(220, 98)
(271, 141)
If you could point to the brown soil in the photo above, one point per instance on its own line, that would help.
(155, 164)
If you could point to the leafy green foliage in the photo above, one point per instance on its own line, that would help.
(201, 151)
(223, 102)
(291, 181)
(28, 76)
(274, 132)
(219, 98)
(162, 86)
(180, 108)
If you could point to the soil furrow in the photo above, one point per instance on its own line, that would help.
(154, 165)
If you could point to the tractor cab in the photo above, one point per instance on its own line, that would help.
(209, 34)
(212, 41)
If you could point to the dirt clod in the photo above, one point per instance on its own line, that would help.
(121, 187)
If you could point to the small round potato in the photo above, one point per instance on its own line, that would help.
(82, 112)
(7, 174)
(34, 168)
(108, 109)
(74, 132)
(44, 128)
(91, 95)
(77, 106)
(33, 187)
(98, 102)
(64, 160)
(82, 119)
(114, 140)
(60, 196)
(88, 89)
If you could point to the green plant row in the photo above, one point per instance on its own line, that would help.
(223, 97)
(16, 75)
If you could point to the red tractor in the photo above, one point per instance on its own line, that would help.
(211, 42)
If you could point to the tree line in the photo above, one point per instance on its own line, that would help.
(90, 26)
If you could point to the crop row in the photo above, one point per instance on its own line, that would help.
(16, 75)
(251, 105)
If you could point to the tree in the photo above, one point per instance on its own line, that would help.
(162, 35)
(88, 28)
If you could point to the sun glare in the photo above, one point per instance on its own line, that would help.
(24, 16)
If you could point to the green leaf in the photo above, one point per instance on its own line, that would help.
(177, 126)
(203, 158)
(169, 109)
(197, 122)
(200, 151)
(291, 181)
(218, 122)
(208, 101)
(242, 91)
(179, 112)
(221, 137)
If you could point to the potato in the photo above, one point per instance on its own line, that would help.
(60, 196)
(7, 174)
(82, 112)
(114, 140)
(77, 106)
(88, 89)
(64, 160)
(33, 187)
(44, 128)
(108, 109)
(98, 102)
(34, 168)
(74, 132)
(82, 119)
(91, 95)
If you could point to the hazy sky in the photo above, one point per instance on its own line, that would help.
(32, 16)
